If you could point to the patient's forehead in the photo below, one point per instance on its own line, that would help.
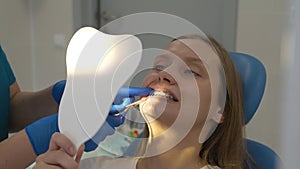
(196, 49)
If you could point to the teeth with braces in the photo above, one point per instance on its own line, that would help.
(162, 94)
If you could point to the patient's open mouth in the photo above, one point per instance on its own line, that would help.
(163, 94)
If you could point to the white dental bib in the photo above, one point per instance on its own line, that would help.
(98, 65)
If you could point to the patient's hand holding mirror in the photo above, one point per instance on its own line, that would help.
(92, 59)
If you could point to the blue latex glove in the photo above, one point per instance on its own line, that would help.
(124, 97)
(40, 132)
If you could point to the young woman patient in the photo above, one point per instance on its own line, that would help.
(194, 117)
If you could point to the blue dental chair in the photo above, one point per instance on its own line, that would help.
(253, 76)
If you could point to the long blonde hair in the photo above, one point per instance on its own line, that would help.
(226, 147)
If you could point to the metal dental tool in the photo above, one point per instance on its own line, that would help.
(136, 103)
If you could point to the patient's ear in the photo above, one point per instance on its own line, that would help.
(219, 118)
(222, 119)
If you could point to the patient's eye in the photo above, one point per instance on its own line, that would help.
(159, 67)
(192, 73)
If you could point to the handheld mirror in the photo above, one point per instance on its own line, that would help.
(98, 64)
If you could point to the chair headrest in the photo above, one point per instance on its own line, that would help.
(253, 75)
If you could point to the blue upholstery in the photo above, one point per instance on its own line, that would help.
(262, 155)
(253, 76)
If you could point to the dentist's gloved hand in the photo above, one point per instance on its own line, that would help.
(40, 132)
(124, 97)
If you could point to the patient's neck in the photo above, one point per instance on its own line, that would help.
(185, 155)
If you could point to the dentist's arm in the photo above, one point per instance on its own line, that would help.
(20, 150)
(27, 107)
(16, 152)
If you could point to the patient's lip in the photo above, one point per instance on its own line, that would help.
(161, 91)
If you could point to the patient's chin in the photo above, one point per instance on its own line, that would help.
(153, 108)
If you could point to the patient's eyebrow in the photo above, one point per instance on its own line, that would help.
(194, 60)
(163, 56)
(189, 60)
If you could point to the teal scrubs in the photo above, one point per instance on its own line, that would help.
(7, 78)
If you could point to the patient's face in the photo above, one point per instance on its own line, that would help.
(172, 77)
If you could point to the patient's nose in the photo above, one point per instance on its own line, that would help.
(166, 78)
